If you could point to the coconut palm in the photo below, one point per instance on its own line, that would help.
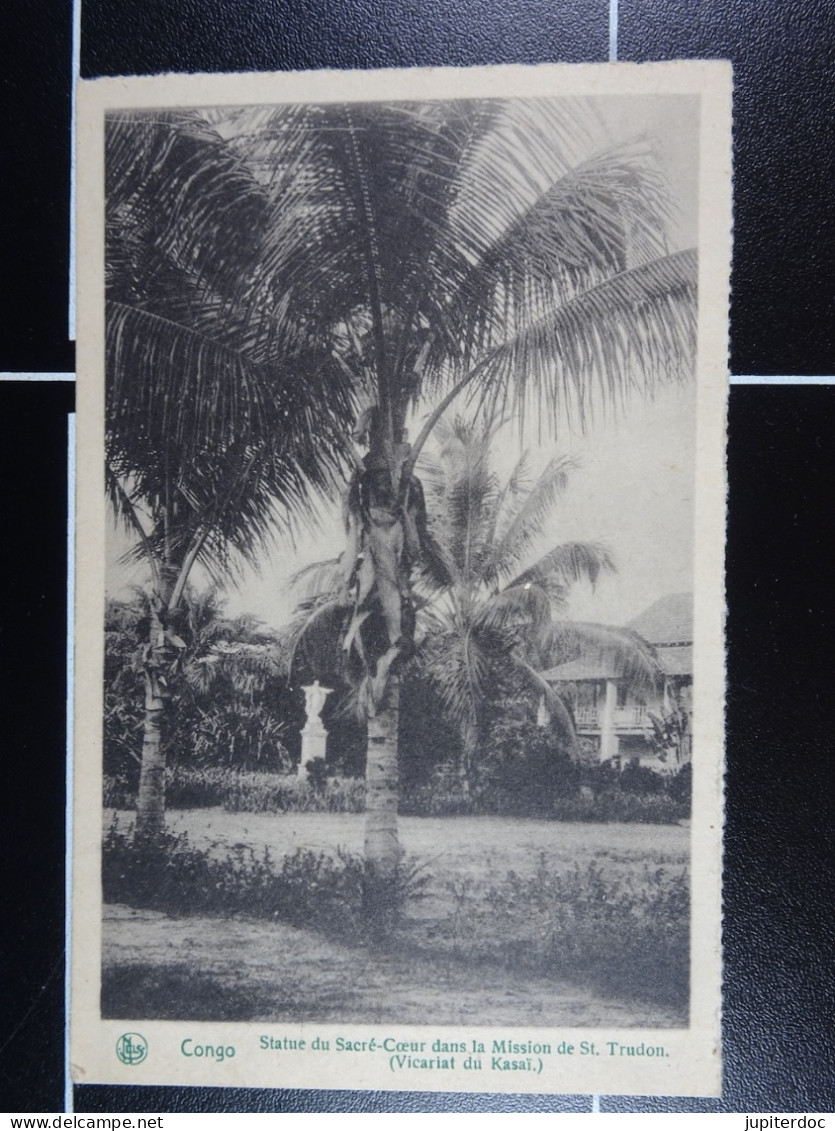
(489, 599)
(222, 417)
(406, 253)
(494, 601)
(487, 248)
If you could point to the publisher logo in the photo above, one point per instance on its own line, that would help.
(131, 1048)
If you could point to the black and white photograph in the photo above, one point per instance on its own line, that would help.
(401, 506)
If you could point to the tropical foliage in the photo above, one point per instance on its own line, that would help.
(221, 415)
(487, 249)
(494, 619)
(230, 703)
(490, 602)
(282, 277)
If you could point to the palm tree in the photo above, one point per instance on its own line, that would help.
(490, 616)
(489, 601)
(222, 416)
(488, 249)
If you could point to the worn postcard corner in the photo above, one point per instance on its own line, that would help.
(399, 638)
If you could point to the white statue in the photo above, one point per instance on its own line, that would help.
(314, 699)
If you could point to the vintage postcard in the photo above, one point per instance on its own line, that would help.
(399, 649)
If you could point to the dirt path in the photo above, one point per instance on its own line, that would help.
(206, 968)
(222, 969)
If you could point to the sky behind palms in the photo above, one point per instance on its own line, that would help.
(632, 490)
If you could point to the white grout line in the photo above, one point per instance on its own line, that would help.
(76, 71)
(753, 379)
(37, 376)
(68, 1088)
(71, 324)
(613, 31)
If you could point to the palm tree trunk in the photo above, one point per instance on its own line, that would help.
(150, 802)
(470, 735)
(382, 847)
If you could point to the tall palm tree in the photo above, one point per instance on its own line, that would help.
(491, 616)
(405, 254)
(489, 249)
(222, 416)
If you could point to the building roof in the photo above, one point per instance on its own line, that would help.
(595, 667)
(667, 625)
(668, 621)
(675, 659)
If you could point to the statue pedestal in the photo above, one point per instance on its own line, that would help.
(313, 746)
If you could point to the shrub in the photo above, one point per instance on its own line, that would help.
(189, 787)
(118, 792)
(641, 780)
(317, 774)
(523, 771)
(616, 805)
(273, 793)
(340, 896)
(442, 795)
(680, 787)
(237, 791)
(627, 936)
(186, 787)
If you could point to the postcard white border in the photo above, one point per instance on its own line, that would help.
(692, 1065)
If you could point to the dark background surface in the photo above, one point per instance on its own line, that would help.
(779, 888)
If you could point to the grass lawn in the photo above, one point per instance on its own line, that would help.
(203, 968)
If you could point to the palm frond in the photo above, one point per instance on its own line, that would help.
(314, 640)
(619, 650)
(462, 673)
(179, 198)
(554, 703)
(524, 608)
(565, 565)
(624, 336)
(318, 580)
(521, 524)
(598, 218)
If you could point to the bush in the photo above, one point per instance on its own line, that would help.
(680, 787)
(616, 805)
(188, 787)
(340, 896)
(628, 936)
(273, 793)
(118, 792)
(441, 796)
(237, 791)
(317, 774)
(641, 780)
(228, 705)
(524, 771)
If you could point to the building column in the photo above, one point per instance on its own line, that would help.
(609, 741)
